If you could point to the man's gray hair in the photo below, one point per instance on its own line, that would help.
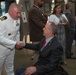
(68, 5)
(14, 5)
(53, 27)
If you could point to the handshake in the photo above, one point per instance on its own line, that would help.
(19, 44)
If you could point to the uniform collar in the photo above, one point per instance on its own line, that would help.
(10, 18)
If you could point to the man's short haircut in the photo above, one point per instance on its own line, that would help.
(53, 27)
(14, 5)
(68, 5)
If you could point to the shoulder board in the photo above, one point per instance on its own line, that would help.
(3, 18)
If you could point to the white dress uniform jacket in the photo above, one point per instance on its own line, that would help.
(9, 34)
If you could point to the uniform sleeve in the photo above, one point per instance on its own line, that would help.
(6, 42)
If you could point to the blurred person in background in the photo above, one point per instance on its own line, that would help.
(60, 20)
(36, 21)
(69, 30)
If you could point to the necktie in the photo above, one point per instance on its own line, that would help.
(44, 44)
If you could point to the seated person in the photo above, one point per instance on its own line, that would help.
(50, 55)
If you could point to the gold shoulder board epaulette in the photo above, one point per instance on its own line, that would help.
(3, 18)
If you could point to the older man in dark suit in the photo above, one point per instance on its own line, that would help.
(69, 30)
(50, 54)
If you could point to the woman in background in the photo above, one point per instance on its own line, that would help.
(60, 20)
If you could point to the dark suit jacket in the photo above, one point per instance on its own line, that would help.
(69, 32)
(49, 57)
(71, 26)
(36, 21)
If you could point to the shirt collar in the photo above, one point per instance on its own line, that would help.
(48, 39)
(10, 18)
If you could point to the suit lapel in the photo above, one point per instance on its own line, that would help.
(38, 10)
(48, 45)
(48, 48)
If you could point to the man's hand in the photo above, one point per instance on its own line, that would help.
(30, 70)
(19, 44)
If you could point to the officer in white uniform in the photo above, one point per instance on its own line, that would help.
(9, 35)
